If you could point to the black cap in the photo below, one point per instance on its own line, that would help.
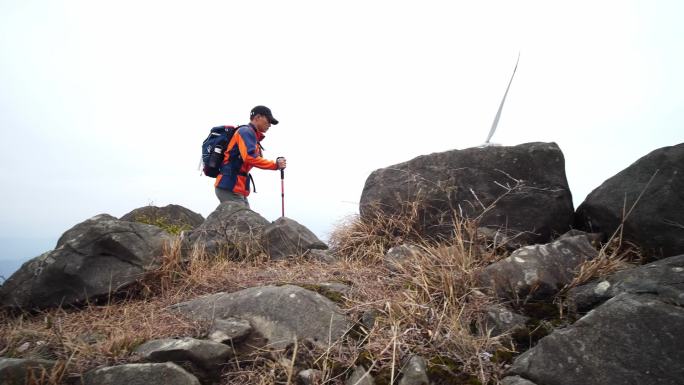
(265, 111)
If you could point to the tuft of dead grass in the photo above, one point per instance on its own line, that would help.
(428, 305)
(369, 239)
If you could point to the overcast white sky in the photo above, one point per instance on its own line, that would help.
(104, 104)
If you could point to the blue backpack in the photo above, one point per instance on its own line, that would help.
(214, 148)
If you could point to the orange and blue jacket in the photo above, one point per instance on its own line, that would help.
(243, 153)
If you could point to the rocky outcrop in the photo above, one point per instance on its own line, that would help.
(96, 257)
(279, 314)
(15, 371)
(203, 358)
(630, 339)
(167, 216)
(539, 270)
(521, 189)
(166, 373)
(285, 238)
(657, 222)
(232, 230)
(664, 278)
(632, 332)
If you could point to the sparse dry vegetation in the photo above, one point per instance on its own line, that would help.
(429, 306)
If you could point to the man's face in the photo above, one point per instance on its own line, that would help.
(262, 123)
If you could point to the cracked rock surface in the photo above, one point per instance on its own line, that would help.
(280, 314)
(664, 278)
(538, 270)
(98, 256)
(630, 339)
(526, 181)
(166, 373)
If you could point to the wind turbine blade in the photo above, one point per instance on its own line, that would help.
(498, 113)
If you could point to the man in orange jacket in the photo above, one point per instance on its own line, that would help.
(244, 152)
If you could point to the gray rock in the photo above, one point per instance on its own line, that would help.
(630, 339)
(206, 356)
(502, 238)
(501, 320)
(516, 380)
(359, 376)
(15, 371)
(286, 238)
(166, 373)
(334, 289)
(310, 377)
(232, 230)
(368, 318)
(280, 314)
(321, 255)
(465, 182)
(663, 278)
(657, 222)
(594, 238)
(539, 270)
(414, 372)
(399, 256)
(82, 227)
(229, 331)
(94, 258)
(173, 215)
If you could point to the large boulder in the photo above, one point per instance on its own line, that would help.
(232, 230)
(664, 278)
(94, 258)
(280, 314)
(286, 237)
(169, 216)
(539, 270)
(166, 373)
(657, 222)
(521, 190)
(81, 228)
(17, 371)
(630, 339)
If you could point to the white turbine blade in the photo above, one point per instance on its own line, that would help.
(498, 113)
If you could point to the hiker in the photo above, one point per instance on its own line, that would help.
(243, 153)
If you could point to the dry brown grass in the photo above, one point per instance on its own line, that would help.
(427, 306)
(106, 334)
(369, 239)
(614, 256)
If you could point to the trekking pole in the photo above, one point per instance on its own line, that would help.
(282, 190)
